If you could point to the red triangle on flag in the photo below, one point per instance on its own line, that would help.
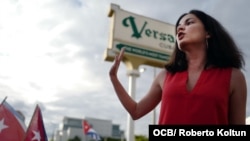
(10, 128)
(85, 126)
(36, 130)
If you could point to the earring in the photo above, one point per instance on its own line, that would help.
(207, 43)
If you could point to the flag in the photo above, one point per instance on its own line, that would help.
(88, 130)
(18, 116)
(36, 130)
(12, 126)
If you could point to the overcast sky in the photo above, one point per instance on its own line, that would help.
(51, 54)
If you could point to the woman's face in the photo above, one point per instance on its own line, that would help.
(190, 30)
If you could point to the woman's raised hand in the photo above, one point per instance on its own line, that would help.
(117, 61)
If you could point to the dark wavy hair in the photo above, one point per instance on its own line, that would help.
(222, 51)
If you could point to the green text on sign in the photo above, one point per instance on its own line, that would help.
(143, 52)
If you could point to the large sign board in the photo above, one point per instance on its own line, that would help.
(147, 41)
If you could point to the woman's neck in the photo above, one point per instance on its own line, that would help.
(196, 60)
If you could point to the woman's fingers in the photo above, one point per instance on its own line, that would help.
(121, 54)
(116, 64)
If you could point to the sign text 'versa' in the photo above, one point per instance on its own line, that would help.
(137, 33)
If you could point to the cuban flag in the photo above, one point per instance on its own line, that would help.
(88, 130)
(36, 130)
(12, 126)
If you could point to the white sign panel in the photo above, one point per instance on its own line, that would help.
(143, 37)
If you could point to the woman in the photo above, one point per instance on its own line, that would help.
(201, 84)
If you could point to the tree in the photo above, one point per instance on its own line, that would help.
(140, 138)
(76, 138)
(112, 139)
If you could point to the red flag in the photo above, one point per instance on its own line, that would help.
(10, 126)
(88, 130)
(85, 126)
(36, 130)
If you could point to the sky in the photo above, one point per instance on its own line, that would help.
(51, 54)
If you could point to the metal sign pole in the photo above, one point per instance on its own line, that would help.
(133, 74)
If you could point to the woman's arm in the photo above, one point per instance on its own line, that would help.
(238, 98)
(146, 104)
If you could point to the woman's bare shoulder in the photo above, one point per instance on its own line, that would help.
(163, 72)
(237, 74)
(238, 80)
(161, 77)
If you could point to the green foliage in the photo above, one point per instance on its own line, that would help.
(111, 139)
(140, 138)
(76, 138)
(137, 138)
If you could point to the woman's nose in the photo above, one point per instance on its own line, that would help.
(180, 27)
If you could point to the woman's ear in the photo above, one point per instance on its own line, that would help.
(208, 35)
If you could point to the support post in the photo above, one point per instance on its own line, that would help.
(132, 74)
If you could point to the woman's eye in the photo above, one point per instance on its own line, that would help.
(189, 22)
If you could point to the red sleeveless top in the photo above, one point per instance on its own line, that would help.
(206, 103)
